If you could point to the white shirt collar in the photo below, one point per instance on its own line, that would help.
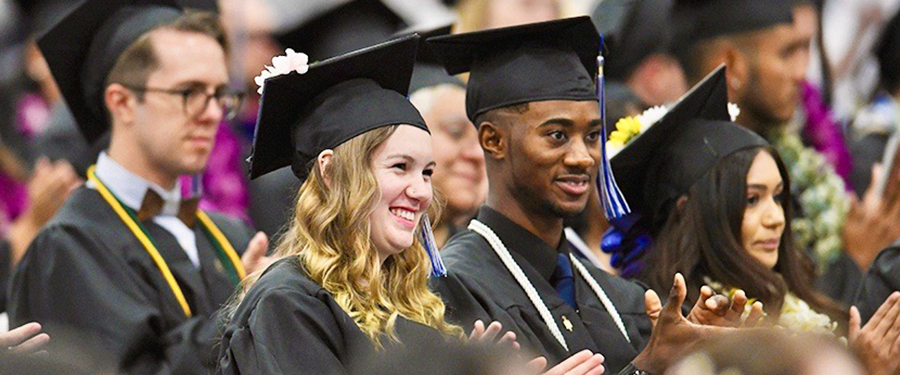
(131, 188)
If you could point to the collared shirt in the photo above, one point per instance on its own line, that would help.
(131, 188)
(541, 255)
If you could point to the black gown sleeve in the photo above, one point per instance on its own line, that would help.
(72, 284)
(288, 331)
(841, 280)
(880, 281)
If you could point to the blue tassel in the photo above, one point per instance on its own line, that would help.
(437, 264)
(614, 204)
(624, 240)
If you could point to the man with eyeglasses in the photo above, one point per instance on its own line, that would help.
(129, 265)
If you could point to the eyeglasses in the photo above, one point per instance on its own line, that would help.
(196, 100)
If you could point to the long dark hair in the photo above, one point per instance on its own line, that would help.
(702, 238)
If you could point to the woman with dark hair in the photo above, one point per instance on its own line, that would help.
(715, 199)
(731, 229)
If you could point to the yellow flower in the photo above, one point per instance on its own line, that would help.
(620, 137)
(630, 125)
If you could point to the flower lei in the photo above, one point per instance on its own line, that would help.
(821, 196)
(796, 315)
(282, 65)
(628, 128)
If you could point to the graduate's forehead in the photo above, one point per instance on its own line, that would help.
(558, 112)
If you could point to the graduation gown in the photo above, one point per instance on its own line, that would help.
(86, 274)
(882, 279)
(478, 286)
(289, 324)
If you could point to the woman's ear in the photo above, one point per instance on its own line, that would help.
(324, 160)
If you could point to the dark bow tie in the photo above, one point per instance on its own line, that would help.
(153, 205)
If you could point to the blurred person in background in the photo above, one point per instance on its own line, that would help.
(30, 194)
(769, 352)
(477, 15)
(813, 119)
(459, 174)
(874, 125)
(23, 214)
(639, 54)
(851, 29)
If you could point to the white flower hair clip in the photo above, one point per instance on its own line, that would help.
(283, 65)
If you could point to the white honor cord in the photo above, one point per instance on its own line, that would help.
(582, 247)
(532, 293)
(519, 275)
(604, 299)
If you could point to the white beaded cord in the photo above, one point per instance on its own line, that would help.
(519, 275)
(604, 299)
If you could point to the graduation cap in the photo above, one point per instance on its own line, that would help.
(698, 20)
(554, 60)
(301, 115)
(342, 29)
(661, 164)
(85, 44)
(428, 71)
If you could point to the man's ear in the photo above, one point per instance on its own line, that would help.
(738, 72)
(120, 102)
(324, 160)
(494, 140)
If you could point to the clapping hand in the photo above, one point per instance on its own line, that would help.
(26, 339)
(254, 258)
(718, 310)
(673, 334)
(482, 335)
(582, 363)
(871, 223)
(878, 342)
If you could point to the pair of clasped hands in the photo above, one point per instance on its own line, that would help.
(673, 333)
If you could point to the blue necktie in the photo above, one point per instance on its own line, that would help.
(563, 280)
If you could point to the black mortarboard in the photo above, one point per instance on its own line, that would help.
(661, 164)
(554, 60)
(644, 31)
(347, 27)
(301, 115)
(694, 21)
(428, 71)
(84, 46)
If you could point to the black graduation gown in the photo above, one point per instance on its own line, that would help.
(289, 324)
(882, 279)
(86, 273)
(478, 286)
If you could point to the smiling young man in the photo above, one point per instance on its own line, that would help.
(127, 263)
(532, 95)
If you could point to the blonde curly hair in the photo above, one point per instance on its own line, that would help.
(330, 238)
